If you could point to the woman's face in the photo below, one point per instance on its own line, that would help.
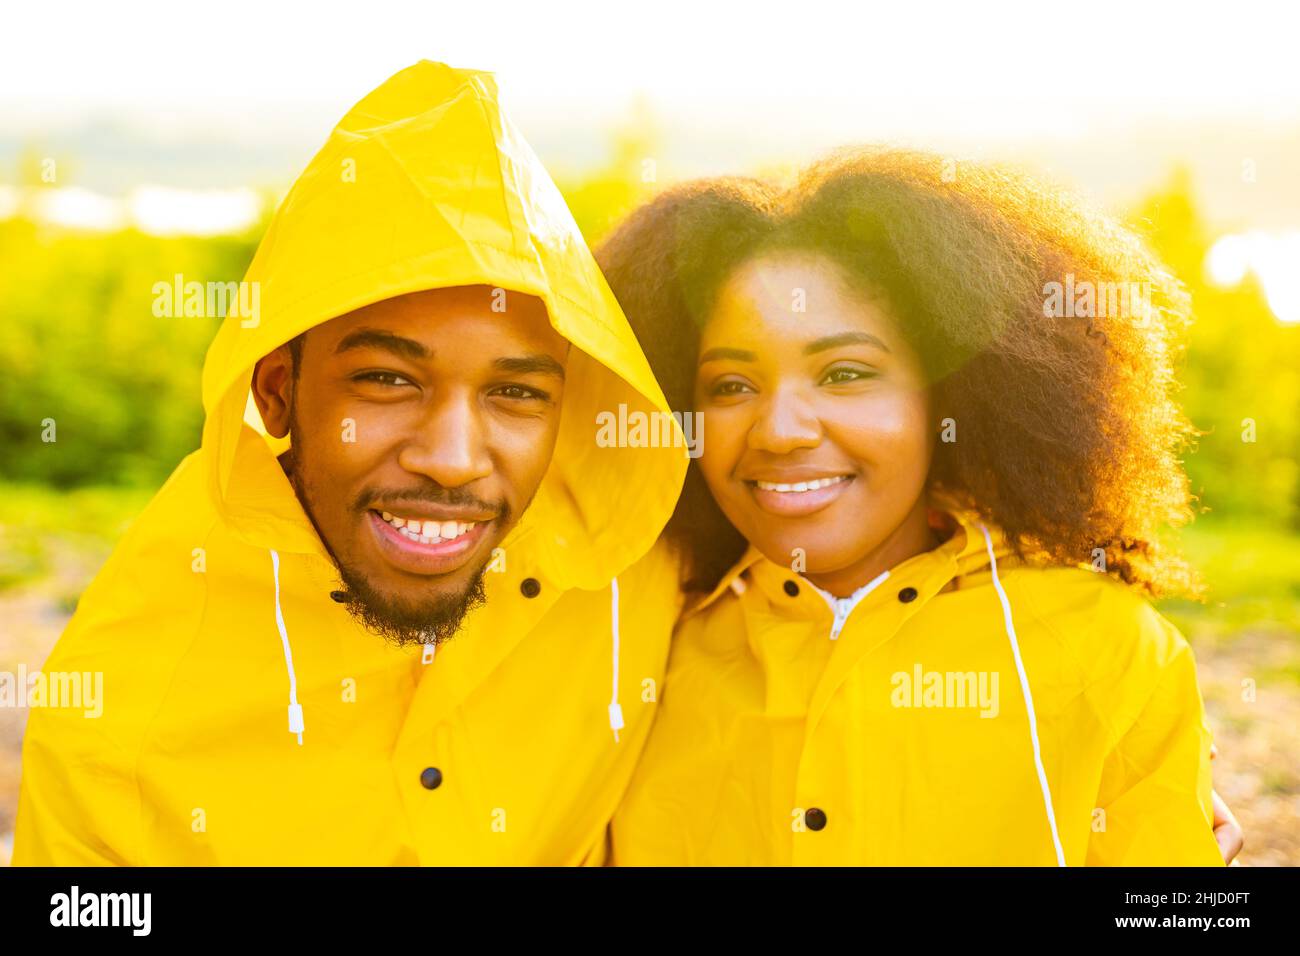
(817, 424)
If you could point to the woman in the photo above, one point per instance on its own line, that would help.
(921, 530)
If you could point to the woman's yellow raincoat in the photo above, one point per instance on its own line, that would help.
(958, 710)
(502, 748)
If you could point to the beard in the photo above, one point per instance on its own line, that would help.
(404, 623)
(400, 621)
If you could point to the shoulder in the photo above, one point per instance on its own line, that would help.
(1123, 647)
(1117, 625)
(711, 629)
(657, 574)
(135, 620)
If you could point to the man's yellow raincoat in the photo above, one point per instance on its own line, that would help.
(959, 710)
(499, 750)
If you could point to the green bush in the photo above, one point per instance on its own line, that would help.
(80, 345)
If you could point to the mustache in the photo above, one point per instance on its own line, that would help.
(432, 495)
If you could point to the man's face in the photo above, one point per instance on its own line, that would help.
(421, 427)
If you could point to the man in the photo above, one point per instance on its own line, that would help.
(399, 448)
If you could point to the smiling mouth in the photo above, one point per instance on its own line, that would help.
(426, 531)
(798, 487)
(427, 546)
(797, 499)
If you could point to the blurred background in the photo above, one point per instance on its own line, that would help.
(139, 141)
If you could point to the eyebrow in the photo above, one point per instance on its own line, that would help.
(812, 348)
(843, 338)
(529, 364)
(380, 339)
(411, 349)
(714, 354)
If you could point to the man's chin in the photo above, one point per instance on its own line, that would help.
(401, 621)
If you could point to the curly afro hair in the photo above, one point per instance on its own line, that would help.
(1069, 437)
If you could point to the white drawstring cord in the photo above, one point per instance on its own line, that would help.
(615, 711)
(1029, 699)
(295, 709)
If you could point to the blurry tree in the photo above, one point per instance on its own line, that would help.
(633, 173)
(80, 345)
(1242, 367)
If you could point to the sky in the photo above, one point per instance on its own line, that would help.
(989, 68)
(228, 96)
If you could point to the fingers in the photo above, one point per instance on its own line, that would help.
(1227, 831)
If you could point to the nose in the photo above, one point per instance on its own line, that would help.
(786, 421)
(450, 444)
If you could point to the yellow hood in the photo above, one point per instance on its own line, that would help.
(426, 184)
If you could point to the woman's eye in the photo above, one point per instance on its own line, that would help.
(391, 379)
(729, 387)
(838, 376)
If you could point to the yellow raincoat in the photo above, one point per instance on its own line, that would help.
(423, 184)
(961, 710)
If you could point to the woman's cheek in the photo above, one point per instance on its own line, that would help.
(719, 454)
(726, 433)
(889, 437)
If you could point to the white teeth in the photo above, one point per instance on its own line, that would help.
(428, 532)
(799, 486)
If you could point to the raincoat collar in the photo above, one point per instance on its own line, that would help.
(964, 552)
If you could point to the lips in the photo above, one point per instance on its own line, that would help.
(427, 530)
(434, 513)
(798, 496)
(787, 487)
(442, 545)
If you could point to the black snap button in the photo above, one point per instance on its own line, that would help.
(907, 595)
(431, 778)
(815, 818)
(339, 596)
(530, 587)
(791, 588)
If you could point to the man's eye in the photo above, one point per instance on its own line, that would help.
(382, 378)
(521, 393)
